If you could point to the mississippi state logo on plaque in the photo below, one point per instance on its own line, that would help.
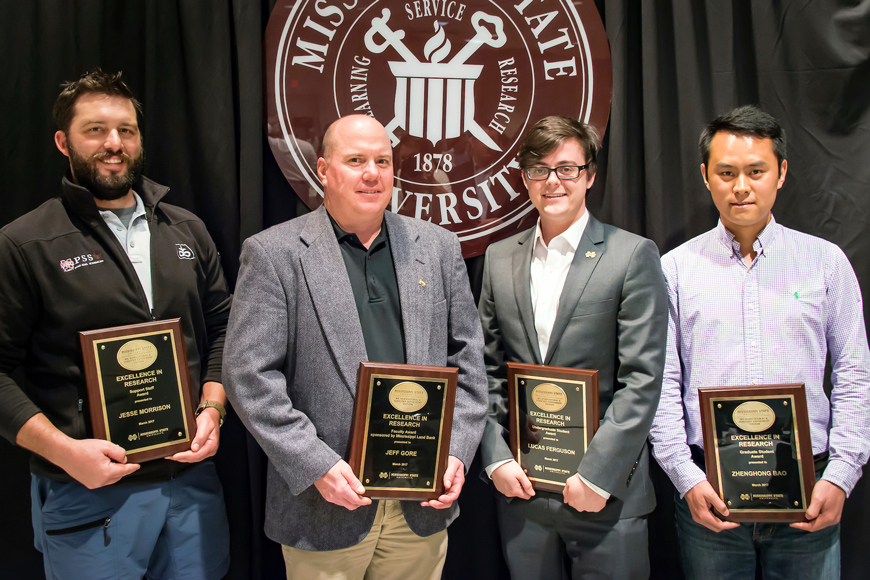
(456, 84)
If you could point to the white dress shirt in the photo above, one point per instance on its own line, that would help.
(550, 265)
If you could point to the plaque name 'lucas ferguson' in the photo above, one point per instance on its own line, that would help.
(138, 388)
(758, 452)
(553, 414)
(400, 437)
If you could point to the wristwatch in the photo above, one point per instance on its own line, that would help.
(214, 405)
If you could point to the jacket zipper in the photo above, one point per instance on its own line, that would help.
(131, 270)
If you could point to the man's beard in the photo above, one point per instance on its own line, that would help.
(105, 187)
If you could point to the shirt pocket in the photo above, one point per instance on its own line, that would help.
(804, 312)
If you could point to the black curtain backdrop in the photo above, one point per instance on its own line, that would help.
(197, 67)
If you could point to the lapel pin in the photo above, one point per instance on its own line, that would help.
(590, 254)
(422, 283)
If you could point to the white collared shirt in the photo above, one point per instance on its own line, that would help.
(550, 265)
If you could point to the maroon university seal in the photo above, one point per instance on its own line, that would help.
(456, 84)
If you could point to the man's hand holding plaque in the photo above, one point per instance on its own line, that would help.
(209, 417)
(708, 508)
(510, 479)
(92, 462)
(341, 487)
(826, 507)
(454, 479)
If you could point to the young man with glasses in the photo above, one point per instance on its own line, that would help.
(573, 292)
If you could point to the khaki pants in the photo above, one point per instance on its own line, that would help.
(390, 551)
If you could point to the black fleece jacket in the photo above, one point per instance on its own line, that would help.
(63, 271)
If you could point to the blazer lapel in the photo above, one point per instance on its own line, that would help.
(521, 265)
(330, 290)
(412, 277)
(585, 260)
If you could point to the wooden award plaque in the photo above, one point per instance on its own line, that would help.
(758, 452)
(400, 436)
(553, 414)
(138, 388)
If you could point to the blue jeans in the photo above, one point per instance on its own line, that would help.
(785, 553)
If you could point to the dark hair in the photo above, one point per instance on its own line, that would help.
(745, 120)
(94, 82)
(550, 132)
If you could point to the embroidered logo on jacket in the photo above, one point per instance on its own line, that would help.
(74, 263)
(184, 252)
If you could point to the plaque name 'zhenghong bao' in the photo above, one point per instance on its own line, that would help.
(758, 452)
(400, 437)
(553, 414)
(138, 388)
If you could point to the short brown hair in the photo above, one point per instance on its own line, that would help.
(94, 82)
(550, 132)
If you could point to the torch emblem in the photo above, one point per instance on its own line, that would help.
(435, 99)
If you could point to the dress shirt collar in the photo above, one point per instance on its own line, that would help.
(572, 235)
(139, 209)
(764, 240)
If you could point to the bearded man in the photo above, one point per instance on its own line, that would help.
(108, 252)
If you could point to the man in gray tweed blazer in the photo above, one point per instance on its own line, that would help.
(315, 296)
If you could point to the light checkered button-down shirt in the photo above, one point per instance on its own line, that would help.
(768, 323)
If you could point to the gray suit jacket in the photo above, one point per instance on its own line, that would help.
(294, 344)
(612, 317)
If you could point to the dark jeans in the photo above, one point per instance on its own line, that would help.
(785, 552)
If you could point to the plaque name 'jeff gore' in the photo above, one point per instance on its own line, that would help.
(400, 436)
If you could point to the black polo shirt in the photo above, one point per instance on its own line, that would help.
(376, 293)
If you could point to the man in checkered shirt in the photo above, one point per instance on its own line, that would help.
(753, 302)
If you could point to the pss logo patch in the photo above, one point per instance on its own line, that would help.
(76, 262)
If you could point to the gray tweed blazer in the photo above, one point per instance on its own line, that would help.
(293, 348)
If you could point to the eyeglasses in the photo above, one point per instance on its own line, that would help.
(541, 173)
